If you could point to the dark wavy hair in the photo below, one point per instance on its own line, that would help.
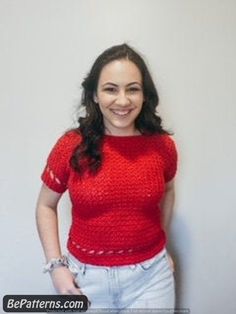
(91, 127)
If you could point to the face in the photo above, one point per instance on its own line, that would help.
(120, 96)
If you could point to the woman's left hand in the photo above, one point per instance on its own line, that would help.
(172, 264)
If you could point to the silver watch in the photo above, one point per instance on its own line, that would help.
(55, 262)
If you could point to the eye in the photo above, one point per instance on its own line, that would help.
(110, 89)
(134, 89)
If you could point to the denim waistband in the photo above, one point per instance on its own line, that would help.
(77, 263)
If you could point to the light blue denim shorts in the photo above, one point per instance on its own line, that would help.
(131, 288)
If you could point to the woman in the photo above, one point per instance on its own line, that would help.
(119, 167)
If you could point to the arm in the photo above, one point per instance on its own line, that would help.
(47, 224)
(167, 205)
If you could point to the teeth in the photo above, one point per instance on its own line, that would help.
(121, 113)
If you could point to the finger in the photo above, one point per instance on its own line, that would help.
(77, 287)
(172, 265)
(171, 262)
(76, 284)
(65, 292)
(75, 291)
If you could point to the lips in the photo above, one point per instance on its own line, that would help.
(121, 113)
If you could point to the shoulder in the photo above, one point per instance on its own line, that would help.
(69, 140)
(71, 136)
(57, 168)
(167, 150)
(165, 142)
(65, 145)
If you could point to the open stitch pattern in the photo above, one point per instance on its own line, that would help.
(57, 169)
(116, 212)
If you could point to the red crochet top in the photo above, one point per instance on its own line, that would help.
(115, 213)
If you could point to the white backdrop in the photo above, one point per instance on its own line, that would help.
(47, 47)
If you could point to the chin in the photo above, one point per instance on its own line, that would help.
(123, 127)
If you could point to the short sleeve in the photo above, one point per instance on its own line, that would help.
(57, 169)
(170, 159)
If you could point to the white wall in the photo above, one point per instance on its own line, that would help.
(47, 47)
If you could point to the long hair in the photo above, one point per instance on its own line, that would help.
(91, 127)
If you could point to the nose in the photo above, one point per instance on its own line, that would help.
(122, 99)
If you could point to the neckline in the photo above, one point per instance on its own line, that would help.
(123, 136)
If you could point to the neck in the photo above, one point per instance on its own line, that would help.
(125, 133)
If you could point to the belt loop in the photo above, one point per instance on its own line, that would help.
(84, 269)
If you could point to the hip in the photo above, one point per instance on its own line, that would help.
(128, 285)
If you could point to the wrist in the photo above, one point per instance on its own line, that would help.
(55, 263)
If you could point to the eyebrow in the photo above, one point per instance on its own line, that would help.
(113, 84)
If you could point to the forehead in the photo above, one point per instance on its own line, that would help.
(120, 72)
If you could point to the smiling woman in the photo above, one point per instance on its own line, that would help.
(120, 96)
(118, 166)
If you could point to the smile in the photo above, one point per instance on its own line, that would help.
(121, 113)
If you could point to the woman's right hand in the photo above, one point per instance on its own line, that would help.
(64, 281)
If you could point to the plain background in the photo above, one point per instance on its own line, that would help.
(47, 48)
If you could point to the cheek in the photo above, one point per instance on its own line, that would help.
(138, 99)
(105, 100)
(104, 106)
